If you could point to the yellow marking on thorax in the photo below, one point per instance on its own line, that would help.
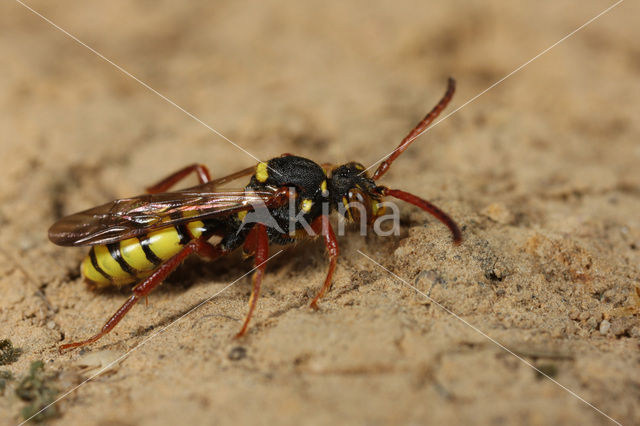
(165, 243)
(262, 174)
(109, 265)
(323, 188)
(242, 215)
(306, 205)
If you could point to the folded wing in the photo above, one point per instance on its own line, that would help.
(132, 217)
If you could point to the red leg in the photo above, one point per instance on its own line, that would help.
(429, 208)
(257, 243)
(322, 225)
(208, 251)
(250, 245)
(152, 281)
(203, 174)
(233, 176)
(201, 171)
(418, 130)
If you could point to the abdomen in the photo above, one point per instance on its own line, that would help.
(129, 260)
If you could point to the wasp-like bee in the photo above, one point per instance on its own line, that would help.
(143, 239)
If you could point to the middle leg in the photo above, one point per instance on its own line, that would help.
(322, 225)
(257, 243)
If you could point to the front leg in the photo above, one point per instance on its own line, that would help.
(322, 225)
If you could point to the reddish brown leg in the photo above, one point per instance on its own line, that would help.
(152, 281)
(322, 225)
(200, 170)
(203, 177)
(429, 208)
(233, 176)
(418, 130)
(257, 243)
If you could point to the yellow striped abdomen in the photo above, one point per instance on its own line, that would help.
(129, 260)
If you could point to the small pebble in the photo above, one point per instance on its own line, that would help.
(237, 353)
(105, 359)
(498, 212)
(51, 325)
(604, 327)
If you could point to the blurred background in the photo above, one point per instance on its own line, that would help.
(541, 171)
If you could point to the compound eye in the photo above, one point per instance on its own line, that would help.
(359, 205)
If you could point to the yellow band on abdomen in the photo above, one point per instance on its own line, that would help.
(165, 243)
(134, 258)
(133, 254)
(90, 273)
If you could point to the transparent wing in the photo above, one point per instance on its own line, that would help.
(132, 217)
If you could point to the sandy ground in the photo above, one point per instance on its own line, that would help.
(541, 172)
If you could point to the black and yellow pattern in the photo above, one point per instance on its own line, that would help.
(127, 261)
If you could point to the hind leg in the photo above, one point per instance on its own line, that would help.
(148, 284)
(165, 184)
(202, 172)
